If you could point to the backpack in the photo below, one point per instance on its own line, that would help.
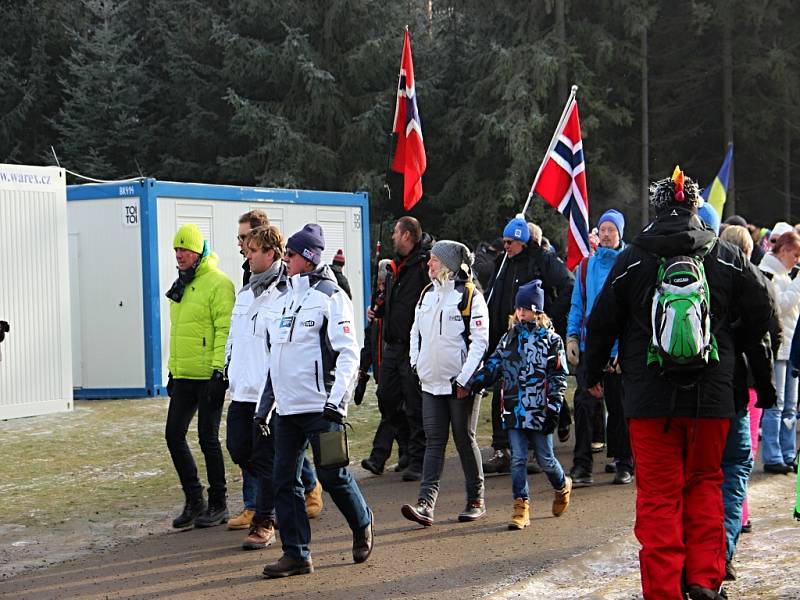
(682, 342)
(464, 305)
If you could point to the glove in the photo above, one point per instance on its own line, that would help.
(573, 351)
(261, 423)
(550, 421)
(331, 414)
(170, 385)
(361, 387)
(217, 386)
(766, 397)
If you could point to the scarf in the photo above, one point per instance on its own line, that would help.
(261, 281)
(175, 293)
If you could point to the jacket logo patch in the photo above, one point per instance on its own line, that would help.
(308, 323)
(454, 318)
(346, 328)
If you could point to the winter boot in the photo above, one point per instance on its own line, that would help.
(561, 498)
(192, 509)
(520, 518)
(215, 514)
(242, 520)
(262, 534)
(314, 501)
(474, 510)
(500, 462)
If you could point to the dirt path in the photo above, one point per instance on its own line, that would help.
(449, 560)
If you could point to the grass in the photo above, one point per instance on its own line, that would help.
(108, 459)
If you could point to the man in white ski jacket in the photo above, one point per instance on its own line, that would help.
(313, 362)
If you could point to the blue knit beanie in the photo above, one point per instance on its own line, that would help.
(615, 217)
(517, 229)
(709, 216)
(530, 296)
(308, 243)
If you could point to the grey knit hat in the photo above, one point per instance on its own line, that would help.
(453, 255)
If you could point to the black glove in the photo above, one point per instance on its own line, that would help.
(550, 421)
(766, 397)
(361, 387)
(170, 385)
(217, 386)
(261, 423)
(331, 414)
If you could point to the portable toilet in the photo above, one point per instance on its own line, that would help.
(122, 264)
(35, 357)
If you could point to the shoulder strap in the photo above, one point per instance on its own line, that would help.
(584, 267)
(425, 290)
(465, 306)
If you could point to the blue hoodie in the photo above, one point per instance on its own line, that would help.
(598, 268)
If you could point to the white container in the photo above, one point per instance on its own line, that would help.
(122, 263)
(36, 365)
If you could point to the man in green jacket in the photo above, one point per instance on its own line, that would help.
(201, 301)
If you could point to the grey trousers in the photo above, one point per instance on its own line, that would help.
(439, 414)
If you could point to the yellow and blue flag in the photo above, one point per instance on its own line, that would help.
(716, 193)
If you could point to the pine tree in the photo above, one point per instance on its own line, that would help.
(103, 125)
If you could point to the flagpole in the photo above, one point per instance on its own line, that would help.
(388, 188)
(553, 141)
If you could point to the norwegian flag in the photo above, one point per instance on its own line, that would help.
(562, 184)
(409, 157)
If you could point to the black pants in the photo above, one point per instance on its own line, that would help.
(189, 397)
(252, 451)
(587, 408)
(400, 404)
(618, 438)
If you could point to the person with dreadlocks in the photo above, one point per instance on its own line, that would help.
(679, 406)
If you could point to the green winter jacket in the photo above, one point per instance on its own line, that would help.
(199, 323)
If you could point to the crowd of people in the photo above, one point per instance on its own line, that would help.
(681, 343)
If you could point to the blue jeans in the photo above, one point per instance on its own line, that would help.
(292, 433)
(249, 490)
(737, 462)
(779, 424)
(542, 445)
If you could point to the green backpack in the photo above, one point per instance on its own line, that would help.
(682, 343)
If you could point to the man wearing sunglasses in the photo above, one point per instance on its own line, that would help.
(525, 260)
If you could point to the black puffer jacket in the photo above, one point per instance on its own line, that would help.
(739, 298)
(407, 276)
(532, 263)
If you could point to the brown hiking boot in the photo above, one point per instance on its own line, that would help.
(242, 520)
(561, 499)
(314, 501)
(262, 534)
(520, 518)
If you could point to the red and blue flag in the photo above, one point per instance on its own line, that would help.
(409, 157)
(562, 184)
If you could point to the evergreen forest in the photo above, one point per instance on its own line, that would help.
(301, 94)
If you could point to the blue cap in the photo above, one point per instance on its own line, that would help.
(309, 243)
(517, 229)
(709, 216)
(615, 217)
(530, 296)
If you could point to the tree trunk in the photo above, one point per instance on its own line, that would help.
(645, 193)
(727, 110)
(787, 173)
(561, 34)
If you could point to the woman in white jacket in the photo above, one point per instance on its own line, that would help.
(778, 424)
(448, 340)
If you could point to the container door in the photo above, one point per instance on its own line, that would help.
(75, 309)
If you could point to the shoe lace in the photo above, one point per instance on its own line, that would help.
(519, 509)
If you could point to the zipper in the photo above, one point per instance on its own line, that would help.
(316, 374)
(253, 319)
(204, 342)
(440, 323)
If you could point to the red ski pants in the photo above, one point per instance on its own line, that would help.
(679, 512)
